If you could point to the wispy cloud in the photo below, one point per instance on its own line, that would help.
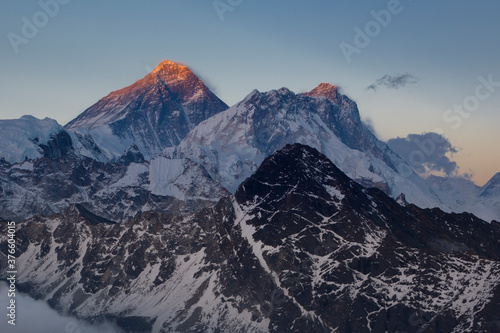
(393, 81)
(368, 122)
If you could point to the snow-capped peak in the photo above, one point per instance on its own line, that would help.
(166, 64)
(169, 72)
(154, 113)
(324, 90)
(495, 178)
(253, 94)
(491, 189)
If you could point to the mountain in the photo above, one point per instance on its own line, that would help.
(463, 195)
(115, 190)
(105, 158)
(29, 138)
(25, 138)
(299, 247)
(346, 122)
(455, 192)
(154, 113)
(231, 144)
(487, 203)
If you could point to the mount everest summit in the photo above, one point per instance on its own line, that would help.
(156, 112)
(107, 158)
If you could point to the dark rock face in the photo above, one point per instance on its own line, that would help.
(132, 155)
(299, 247)
(60, 145)
(401, 199)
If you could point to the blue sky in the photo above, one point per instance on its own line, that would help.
(89, 48)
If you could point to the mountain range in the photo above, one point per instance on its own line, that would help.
(299, 247)
(170, 114)
(165, 210)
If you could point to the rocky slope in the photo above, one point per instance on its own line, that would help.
(299, 247)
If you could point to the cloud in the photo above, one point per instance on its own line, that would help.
(393, 81)
(368, 123)
(427, 153)
(37, 316)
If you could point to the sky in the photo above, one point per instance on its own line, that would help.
(413, 66)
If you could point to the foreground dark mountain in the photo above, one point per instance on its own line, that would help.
(299, 247)
(154, 113)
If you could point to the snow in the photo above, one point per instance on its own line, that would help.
(334, 193)
(17, 136)
(111, 145)
(462, 195)
(132, 177)
(27, 166)
(232, 144)
(162, 174)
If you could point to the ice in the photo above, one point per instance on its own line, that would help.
(19, 138)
